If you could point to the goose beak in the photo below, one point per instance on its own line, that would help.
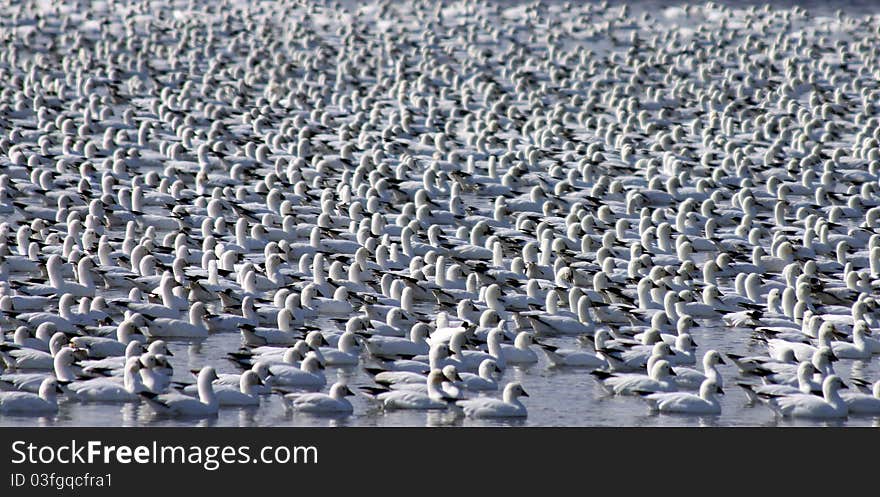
(525, 394)
(719, 390)
(348, 392)
(721, 361)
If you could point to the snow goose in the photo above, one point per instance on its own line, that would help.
(177, 404)
(572, 357)
(660, 379)
(520, 352)
(858, 349)
(802, 351)
(346, 352)
(509, 406)
(249, 317)
(246, 393)
(225, 380)
(58, 285)
(307, 376)
(44, 402)
(689, 378)
(40, 339)
(64, 369)
(101, 347)
(337, 306)
(270, 355)
(321, 403)
(155, 373)
(863, 403)
(28, 358)
(63, 320)
(391, 347)
(763, 365)
(688, 403)
(635, 358)
(484, 380)
(284, 334)
(830, 406)
(466, 360)
(110, 389)
(684, 350)
(112, 364)
(18, 304)
(551, 323)
(395, 324)
(804, 384)
(449, 386)
(433, 398)
(196, 327)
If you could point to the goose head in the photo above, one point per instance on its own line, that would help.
(49, 390)
(661, 370)
(450, 373)
(487, 368)
(709, 388)
(340, 390)
(512, 391)
(523, 340)
(248, 380)
(311, 363)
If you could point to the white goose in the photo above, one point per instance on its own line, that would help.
(241, 395)
(434, 398)
(830, 406)
(689, 378)
(520, 352)
(101, 347)
(307, 376)
(283, 335)
(225, 380)
(858, 349)
(484, 380)
(111, 389)
(509, 406)
(688, 403)
(346, 352)
(44, 402)
(572, 357)
(339, 305)
(390, 347)
(58, 285)
(660, 379)
(863, 403)
(177, 404)
(196, 327)
(62, 367)
(321, 403)
(27, 358)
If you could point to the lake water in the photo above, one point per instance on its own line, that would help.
(558, 397)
